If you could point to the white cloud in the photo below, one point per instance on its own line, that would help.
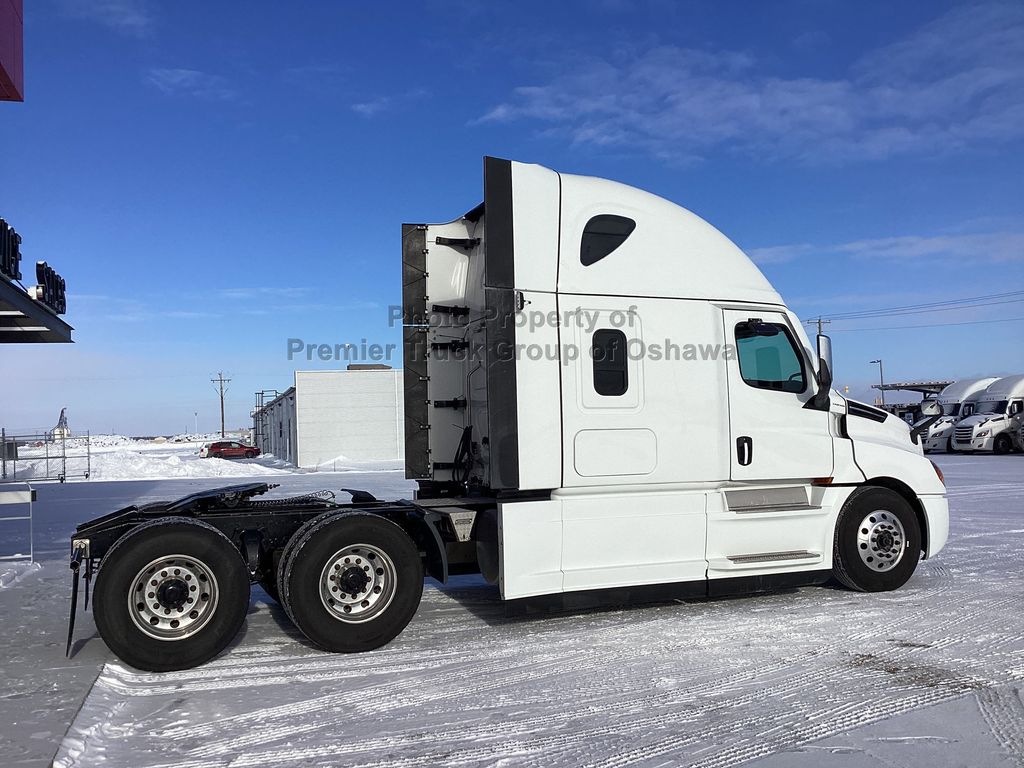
(955, 82)
(191, 82)
(779, 254)
(962, 248)
(989, 246)
(262, 292)
(130, 17)
(380, 104)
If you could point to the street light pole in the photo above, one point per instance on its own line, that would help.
(881, 379)
(196, 415)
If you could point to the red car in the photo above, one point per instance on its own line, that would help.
(229, 449)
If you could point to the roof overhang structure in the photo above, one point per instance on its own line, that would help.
(24, 320)
(924, 387)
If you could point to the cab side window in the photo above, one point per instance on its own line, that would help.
(1016, 407)
(769, 361)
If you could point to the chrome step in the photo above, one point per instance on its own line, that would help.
(768, 557)
(775, 508)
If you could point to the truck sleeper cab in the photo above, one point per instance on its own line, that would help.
(995, 422)
(957, 401)
(605, 401)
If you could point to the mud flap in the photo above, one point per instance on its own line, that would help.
(75, 566)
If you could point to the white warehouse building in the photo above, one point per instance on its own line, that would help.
(356, 414)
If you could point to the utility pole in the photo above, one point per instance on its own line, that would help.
(196, 415)
(820, 323)
(220, 381)
(881, 379)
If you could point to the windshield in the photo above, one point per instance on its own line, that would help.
(951, 409)
(991, 406)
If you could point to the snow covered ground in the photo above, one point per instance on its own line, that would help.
(928, 675)
(115, 457)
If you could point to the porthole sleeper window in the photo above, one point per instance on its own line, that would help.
(602, 235)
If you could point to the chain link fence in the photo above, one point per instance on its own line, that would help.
(55, 455)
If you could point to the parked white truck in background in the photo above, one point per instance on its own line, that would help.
(995, 425)
(605, 402)
(957, 401)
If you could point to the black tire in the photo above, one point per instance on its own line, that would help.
(250, 454)
(286, 555)
(395, 560)
(129, 557)
(949, 445)
(876, 507)
(1003, 444)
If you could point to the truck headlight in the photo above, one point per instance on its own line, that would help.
(982, 433)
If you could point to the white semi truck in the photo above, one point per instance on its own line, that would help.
(996, 421)
(957, 401)
(605, 402)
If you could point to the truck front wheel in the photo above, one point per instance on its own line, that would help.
(1002, 445)
(170, 594)
(352, 582)
(877, 541)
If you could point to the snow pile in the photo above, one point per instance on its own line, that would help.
(116, 457)
(102, 441)
(121, 458)
(206, 437)
(133, 465)
(13, 572)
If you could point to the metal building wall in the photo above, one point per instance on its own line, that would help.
(356, 414)
(281, 435)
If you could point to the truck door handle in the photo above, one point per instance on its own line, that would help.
(744, 450)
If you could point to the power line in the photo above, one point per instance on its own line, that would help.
(934, 306)
(897, 313)
(930, 325)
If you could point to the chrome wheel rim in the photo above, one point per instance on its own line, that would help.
(881, 541)
(173, 597)
(358, 583)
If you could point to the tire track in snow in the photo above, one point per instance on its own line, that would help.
(1003, 710)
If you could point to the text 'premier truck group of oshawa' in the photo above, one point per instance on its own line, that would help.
(605, 478)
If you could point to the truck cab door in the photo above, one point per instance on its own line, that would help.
(774, 436)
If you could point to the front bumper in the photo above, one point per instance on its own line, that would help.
(975, 444)
(936, 516)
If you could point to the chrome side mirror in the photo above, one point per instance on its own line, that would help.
(821, 400)
(824, 361)
(932, 411)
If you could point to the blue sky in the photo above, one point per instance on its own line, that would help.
(212, 182)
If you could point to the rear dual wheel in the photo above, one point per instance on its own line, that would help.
(170, 594)
(350, 581)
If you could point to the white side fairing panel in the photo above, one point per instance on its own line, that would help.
(625, 537)
(530, 548)
(537, 396)
(536, 197)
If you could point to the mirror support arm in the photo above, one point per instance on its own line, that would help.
(923, 427)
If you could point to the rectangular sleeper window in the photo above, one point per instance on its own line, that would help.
(609, 354)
